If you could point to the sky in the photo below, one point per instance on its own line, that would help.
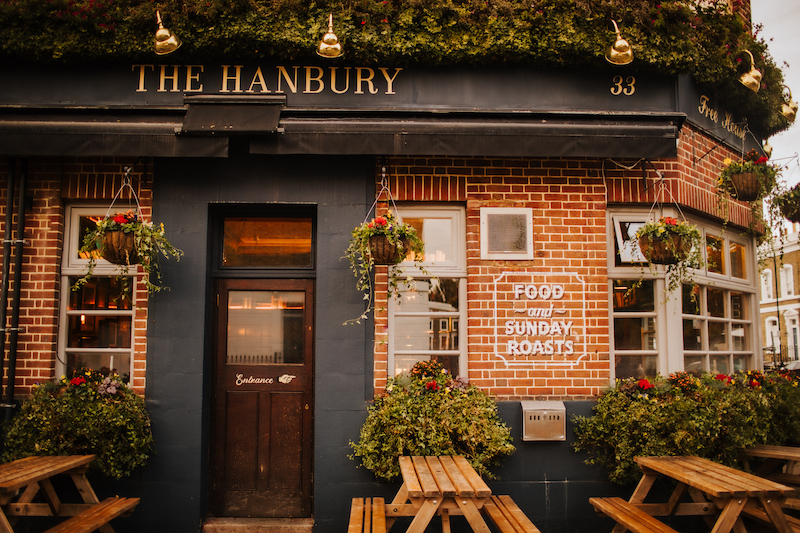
(780, 20)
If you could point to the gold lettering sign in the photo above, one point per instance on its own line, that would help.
(237, 79)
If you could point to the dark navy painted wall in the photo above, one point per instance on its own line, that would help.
(547, 479)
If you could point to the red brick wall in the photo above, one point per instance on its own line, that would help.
(51, 182)
(568, 198)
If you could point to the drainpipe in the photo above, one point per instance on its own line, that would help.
(12, 165)
(777, 310)
(18, 248)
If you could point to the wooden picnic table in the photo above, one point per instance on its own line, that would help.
(780, 464)
(446, 485)
(22, 480)
(717, 492)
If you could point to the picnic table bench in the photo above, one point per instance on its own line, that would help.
(22, 480)
(444, 486)
(780, 463)
(718, 493)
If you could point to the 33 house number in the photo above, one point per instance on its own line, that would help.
(626, 86)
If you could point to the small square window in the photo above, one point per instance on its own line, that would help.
(506, 233)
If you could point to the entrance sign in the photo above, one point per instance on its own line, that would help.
(539, 319)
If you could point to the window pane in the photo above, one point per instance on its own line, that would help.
(719, 364)
(437, 234)
(634, 366)
(715, 300)
(507, 233)
(739, 363)
(443, 291)
(738, 261)
(690, 299)
(741, 341)
(118, 363)
(265, 327)
(693, 364)
(738, 307)
(101, 293)
(267, 242)
(634, 333)
(716, 336)
(691, 335)
(715, 255)
(638, 299)
(89, 331)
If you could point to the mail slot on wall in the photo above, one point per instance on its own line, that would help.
(544, 420)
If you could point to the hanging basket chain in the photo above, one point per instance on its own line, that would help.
(126, 183)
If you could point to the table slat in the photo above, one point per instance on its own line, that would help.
(410, 477)
(463, 488)
(429, 487)
(482, 490)
(754, 485)
(446, 487)
(22, 472)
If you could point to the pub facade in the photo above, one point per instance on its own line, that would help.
(527, 185)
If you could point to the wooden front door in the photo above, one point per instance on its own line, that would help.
(262, 408)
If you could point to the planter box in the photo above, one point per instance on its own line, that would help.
(666, 252)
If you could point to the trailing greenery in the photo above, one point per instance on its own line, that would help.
(712, 416)
(427, 412)
(667, 36)
(88, 414)
(362, 262)
(150, 243)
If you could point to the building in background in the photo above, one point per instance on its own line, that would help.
(780, 302)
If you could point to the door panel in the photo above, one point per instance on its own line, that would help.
(262, 445)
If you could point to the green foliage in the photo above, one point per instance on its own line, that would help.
(150, 242)
(667, 36)
(427, 412)
(89, 414)
(710, 416)
(362, 262)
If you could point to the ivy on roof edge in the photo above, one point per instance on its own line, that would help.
(668, 36)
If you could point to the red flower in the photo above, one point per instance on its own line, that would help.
(432, 385)
(644, 384)
(120, 219)
(77, 381)
(723, 377)
(380, 221)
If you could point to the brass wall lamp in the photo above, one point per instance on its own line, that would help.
(789, 108)
(751, 79)
(165, 41)
(620, 52)
(330, 47)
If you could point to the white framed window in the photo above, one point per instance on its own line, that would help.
(96, 322)
(425, 320)
(767, 285)
(658, 332)
(506, 233)
(787, 281)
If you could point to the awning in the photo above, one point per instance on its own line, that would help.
(118, 132)
(203, 127)
(508, 135)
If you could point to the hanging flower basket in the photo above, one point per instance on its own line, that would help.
(791, 212)
(120, 248)
(788, 203)
(748, 180)
(668, 251)
(746, 186)
(384, 240)
(385, 252)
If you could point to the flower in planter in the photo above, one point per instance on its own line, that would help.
(126, 240)
(383, 240)
(427, 412)
(748, 180)
(90, 413)
(674, 243)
